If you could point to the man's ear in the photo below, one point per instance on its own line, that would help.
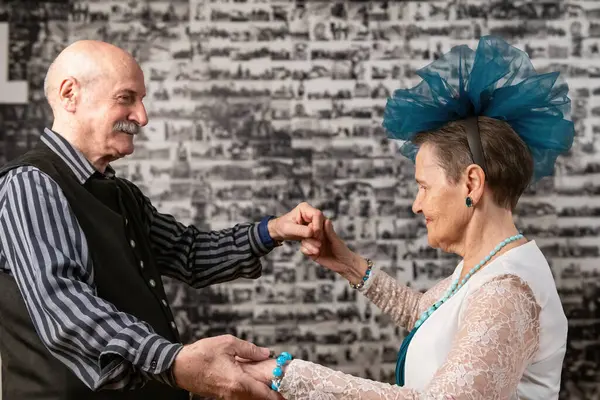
(69, 94)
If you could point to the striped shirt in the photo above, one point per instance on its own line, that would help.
(45, 250)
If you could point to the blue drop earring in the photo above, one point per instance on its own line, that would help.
(469, 202)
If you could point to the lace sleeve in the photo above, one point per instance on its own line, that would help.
(497, 337)
(401, 303)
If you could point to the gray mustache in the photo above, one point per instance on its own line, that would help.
(127, 126)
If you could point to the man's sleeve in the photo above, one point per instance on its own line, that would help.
(204, 258)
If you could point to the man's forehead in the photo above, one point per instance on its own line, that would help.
(133, 91)
(132, 83)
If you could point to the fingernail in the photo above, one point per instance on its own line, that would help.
(265, 351)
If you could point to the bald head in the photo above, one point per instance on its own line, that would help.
(86, 61)
(96, 92)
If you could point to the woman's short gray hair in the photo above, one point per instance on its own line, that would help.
(508, 161)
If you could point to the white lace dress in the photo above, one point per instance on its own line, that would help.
(502, 336)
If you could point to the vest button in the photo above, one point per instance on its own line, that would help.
(132, 243)
(173, 325)
(164, 302)
(141, 264)
(152, 283)
(126, 221)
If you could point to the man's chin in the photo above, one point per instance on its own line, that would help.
(127, 151)
(124, 149)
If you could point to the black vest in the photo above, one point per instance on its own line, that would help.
(111, 218)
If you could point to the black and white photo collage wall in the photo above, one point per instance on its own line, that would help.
(255, 106)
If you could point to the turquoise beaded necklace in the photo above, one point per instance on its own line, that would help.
(454, 287)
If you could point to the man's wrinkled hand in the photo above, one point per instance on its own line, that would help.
(210, 368)
(302, 222)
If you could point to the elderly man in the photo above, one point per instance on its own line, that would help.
(83, 313)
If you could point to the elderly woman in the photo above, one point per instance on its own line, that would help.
(495, 328)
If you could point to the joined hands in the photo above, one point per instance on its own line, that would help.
(318, 240)
(226, 367)
(213, 367)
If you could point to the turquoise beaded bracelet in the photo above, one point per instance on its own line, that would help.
(360, 284)
(283, 359)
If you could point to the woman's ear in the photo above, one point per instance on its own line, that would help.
(475, 182)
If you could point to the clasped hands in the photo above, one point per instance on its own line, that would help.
(318, 240)
(236, 369)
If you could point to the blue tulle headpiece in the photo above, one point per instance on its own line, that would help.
(498, 81)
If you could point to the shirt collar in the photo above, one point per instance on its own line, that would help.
(75, 160)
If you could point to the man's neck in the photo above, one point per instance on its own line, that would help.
(75, 139)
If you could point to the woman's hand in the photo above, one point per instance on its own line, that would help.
(332, 253)
(260, 370)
